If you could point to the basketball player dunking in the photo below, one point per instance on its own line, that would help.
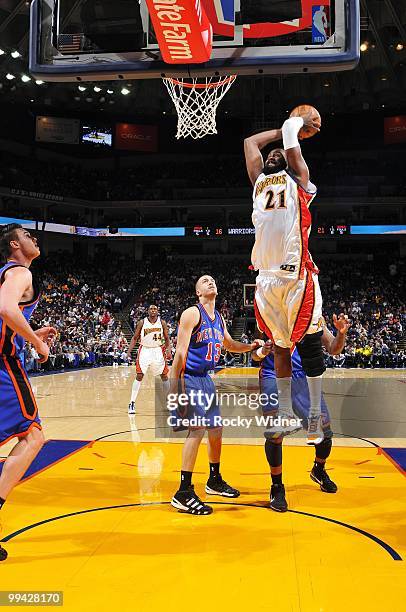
(288, 303)
(201, 335)
(154, 351)
(18, 299)
(334, 345)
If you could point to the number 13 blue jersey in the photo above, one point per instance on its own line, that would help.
(205, 344)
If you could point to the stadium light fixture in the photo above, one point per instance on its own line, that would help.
(399, 47)
(15, 54)
(2, 52)
(96, 89)
(82, 88)
(25, 78)
(10, 76)
(364, 46)
(110, 91)
(125, 91)
(39, 82)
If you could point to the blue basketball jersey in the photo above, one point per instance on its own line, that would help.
(12, 344)
(205, 344)
(268, 366)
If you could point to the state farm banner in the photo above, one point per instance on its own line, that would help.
(57, 129)
(395, 129)
(132, 137)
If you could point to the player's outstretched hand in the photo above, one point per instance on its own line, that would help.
(256, 344)
(42, 349)
(308, 122)
(47, 334)
(341, 323)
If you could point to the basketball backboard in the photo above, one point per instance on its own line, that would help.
(74, 40)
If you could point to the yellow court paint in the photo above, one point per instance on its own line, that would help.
(246, 556)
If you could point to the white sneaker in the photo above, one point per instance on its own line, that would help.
(131, 408)
(315, 433)
(285, 429)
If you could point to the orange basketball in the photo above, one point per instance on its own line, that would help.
(304, 110)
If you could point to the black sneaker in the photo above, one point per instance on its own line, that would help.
(324, 480)
(188, 501)
(131, 408)
(218, 486)
(278, 500)
(3, 554)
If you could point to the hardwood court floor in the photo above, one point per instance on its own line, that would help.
(96, 521)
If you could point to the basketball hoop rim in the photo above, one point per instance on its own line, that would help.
(182, 83)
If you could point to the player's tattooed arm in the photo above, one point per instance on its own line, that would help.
(167, 340)
(18, 282)
(334, 345)
(252, 150)
(135, 338)
(188, 321)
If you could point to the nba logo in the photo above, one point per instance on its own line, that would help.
(320, 24)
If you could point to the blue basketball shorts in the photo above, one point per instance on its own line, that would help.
(202, 409)
(300, 401)
(18, 408)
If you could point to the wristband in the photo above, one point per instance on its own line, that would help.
(290, 131)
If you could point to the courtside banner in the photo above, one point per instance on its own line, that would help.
(132, 137)
(183, 31)
(395, 129)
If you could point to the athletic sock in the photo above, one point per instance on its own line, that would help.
(214, 470)
(185, 480)
(273, 451)
(284, 386)
(135, 389)
(314, 383)
(323, 451)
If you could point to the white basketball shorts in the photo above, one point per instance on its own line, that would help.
(287, 309)
(152, 359)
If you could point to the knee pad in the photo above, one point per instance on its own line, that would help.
(311, 354)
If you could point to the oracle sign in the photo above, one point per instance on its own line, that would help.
(134, 137)
(395, 129)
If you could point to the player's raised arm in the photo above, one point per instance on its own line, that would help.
(17, 281)
(188, 321)
(135, 338)
(294, 157)
(252, 150)
(233, 346)
(334, 345)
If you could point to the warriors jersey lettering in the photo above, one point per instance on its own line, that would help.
(11, 343)
(205, 344)
(282, 224)
(152, 334)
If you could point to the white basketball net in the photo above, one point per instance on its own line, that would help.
(196, 102)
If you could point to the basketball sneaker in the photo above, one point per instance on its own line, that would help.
(278, 499)
(320, 476)
(131, 408)
(284, 429)
(218, 486)
(187, 501)
(315, 433)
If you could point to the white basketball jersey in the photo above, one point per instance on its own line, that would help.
(282, 224)
(152, 334)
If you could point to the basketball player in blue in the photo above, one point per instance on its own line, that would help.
(334, 345)
(201, 335)
(19, 297)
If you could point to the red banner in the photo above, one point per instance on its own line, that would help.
(395, 129)
(184, 33)
(136, 137)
